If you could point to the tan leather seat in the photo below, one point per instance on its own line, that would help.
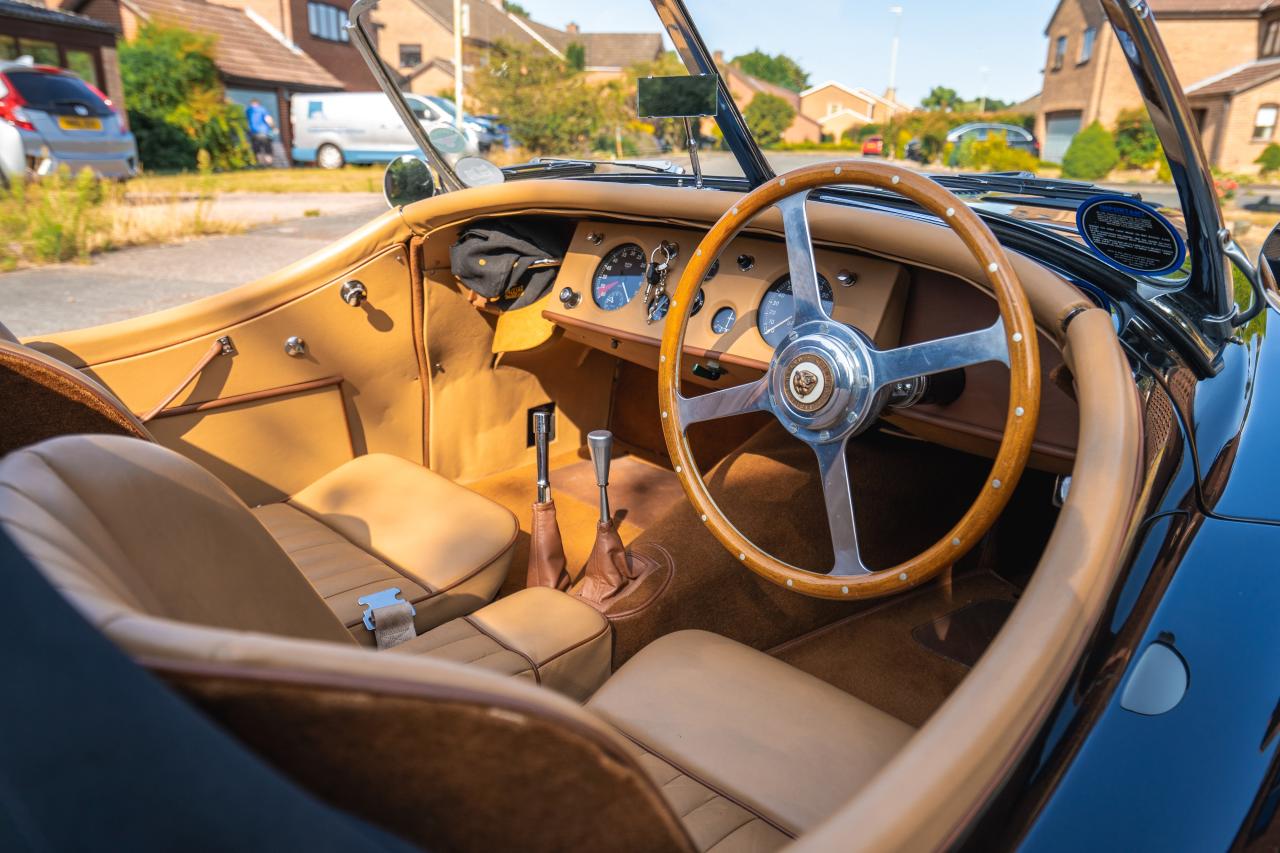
(375, 522)
(749, 751)
(141, 528)
(381, 521)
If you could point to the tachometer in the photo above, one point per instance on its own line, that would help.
(774, 318)
(619, 277)
(663, 304)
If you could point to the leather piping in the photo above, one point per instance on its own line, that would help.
(533, 666)
(215, 349)
(417, 283)
(710, 787)
(249, 397)
(607, 627)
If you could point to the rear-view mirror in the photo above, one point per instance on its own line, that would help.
(677, 97)
(406, 180)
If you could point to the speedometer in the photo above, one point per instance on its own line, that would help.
(619, 277)
(777, 309)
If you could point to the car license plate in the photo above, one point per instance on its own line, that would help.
(78, 123)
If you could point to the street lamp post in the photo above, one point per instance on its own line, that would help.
(896, 11)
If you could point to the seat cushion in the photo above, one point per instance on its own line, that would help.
(381, 521)
(777, 743)
(542, 634)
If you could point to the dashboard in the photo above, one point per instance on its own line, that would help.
(745, 308)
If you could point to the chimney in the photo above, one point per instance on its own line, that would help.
(572, 28)
(718, 56)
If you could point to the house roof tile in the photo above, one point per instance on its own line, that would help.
(243, 49)
(39, 14)
(1237, 80)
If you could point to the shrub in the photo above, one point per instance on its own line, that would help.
(768, 117)
(1269, 159)
(1091, 156)
(995, 155)
(1136, 140)
(177, 105)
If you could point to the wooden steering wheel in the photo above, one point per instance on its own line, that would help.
(826, 382)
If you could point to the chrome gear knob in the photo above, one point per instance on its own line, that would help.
(600, 443)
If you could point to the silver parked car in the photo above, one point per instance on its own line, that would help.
(49, 118)
(334, 128)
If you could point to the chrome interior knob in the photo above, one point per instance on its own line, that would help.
(354, 293)
(295, 346)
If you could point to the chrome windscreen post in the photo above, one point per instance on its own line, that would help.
(693, 153)
(364, 43)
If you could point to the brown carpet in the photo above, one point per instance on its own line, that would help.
(876, 655)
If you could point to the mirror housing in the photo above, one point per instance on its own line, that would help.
(689, 96)
(407, 179)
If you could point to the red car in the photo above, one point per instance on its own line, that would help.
(873, 146)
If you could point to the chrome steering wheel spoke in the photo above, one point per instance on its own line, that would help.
(725, 403)
(837, 493)
(800, 260)
(937, 356)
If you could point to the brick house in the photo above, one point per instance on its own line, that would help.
(255, 60)
(744, 87)
(837, 107)
(1218, 51)
(416, 40)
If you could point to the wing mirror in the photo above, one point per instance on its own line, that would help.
(407, 179)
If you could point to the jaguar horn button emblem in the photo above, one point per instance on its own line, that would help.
(809, 384)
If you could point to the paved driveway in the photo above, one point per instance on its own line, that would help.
(133, 282)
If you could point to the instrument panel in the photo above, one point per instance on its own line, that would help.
(743, 307)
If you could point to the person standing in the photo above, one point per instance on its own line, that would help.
(261, 125)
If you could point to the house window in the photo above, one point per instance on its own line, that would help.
(41, 52)
(82, 64)
(1086, 45)
(326, 22)
(1270, 39)
(410, 55)
(834, 107)
(1264, 124)
(1059, 53)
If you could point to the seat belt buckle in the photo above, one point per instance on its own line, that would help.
(381, 598)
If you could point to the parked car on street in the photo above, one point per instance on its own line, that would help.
(331, 129)
(1015, 137)
(873, 146)
(485, 128)
(49, 118)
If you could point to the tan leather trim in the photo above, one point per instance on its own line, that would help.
(533, 666)
(925, 797)
(604, 630)
(417, 281)
(505, 551)
(251, 397)
(214, 350)
(710, 786)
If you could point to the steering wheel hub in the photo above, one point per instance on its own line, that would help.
(822, 379)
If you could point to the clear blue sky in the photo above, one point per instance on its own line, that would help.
(945, 42)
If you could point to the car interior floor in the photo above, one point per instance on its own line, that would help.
(904, 654)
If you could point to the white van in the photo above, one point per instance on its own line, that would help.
(333, 128)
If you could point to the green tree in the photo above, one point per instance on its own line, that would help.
(1269, 159)
(177, 106)
(768, 117)
(576, 55)
(940, 99)
(993, 154)
(1136, 140)
(780, 69)
(1091, 156)
(514, 8)
(548, 105)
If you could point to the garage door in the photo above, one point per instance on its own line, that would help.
(1059, 130)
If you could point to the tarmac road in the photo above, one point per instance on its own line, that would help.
(132, 282)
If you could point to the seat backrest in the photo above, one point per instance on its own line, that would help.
(126, 525)
(42, 398)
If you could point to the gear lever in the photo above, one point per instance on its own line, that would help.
(546, 549)
(600, 443)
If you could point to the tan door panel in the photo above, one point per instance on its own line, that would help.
(260, 446)
(480, 401)
(306, 432)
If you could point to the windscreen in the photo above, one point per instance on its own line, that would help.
(56, 93)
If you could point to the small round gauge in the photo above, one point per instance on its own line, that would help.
(619, 277)
(776, 312)
(663, 304)
(723, 320)
(711, 273)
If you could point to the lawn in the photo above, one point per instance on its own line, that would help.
(349, 179)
